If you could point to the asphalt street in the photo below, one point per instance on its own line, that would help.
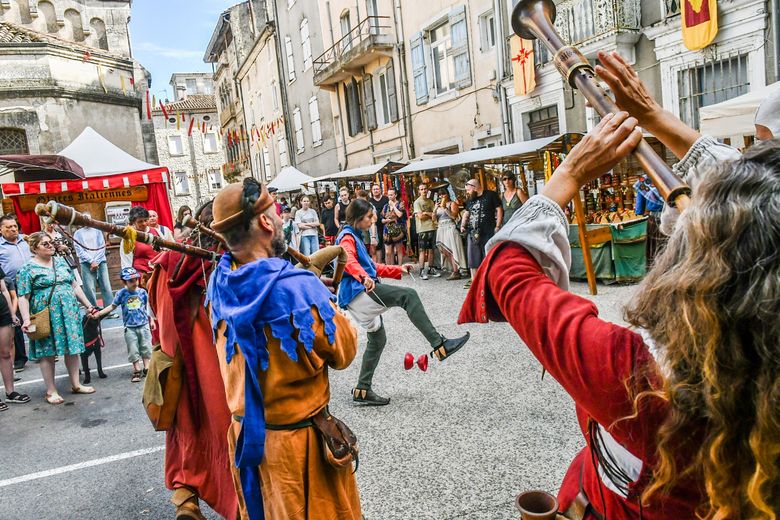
(457, 442)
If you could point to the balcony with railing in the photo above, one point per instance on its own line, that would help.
(371, 38)
(593, 25)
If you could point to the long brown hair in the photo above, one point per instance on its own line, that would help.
(712, 305)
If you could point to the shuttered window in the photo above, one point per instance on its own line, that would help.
(298, 124)
(460, 48)
(306, 44)
(392, 96)
(314, 116)
(419, 70)
(354, 112)
(369, 102)
(290, 59)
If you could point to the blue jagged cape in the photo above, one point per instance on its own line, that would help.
(265, 293)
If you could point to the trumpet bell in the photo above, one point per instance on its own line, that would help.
(531, 12)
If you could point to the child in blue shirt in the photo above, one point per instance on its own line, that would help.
(137, 320)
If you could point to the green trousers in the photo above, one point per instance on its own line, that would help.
(407, 299)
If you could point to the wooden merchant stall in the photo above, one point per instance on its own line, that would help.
(111, 183)
(616, 236)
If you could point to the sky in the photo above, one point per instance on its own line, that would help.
(171, 36)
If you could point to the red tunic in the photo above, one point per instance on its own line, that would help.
(143, 254)
(196, 448)
(592, 359)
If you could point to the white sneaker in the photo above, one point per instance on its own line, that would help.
(423, 274)
(433, 272)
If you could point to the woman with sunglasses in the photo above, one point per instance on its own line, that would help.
(513, 197)
(47, 281)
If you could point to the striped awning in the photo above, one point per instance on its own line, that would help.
(107, 182)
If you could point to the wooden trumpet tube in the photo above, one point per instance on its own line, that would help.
(535, 19)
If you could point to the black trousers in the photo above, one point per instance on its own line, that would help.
(20, 354)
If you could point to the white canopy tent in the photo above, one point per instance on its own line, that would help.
(292, 179)
(734, 117)
(363, 171)
(98, 156)
(479, 155)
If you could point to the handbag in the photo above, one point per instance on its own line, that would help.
(339, 444)
(42, 319)
(164, 383)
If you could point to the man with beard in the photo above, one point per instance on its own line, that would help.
(482, 219)
(277, 332)
(197, 463)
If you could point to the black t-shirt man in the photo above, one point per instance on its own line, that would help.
(482, 214)
(326, 217)
(379, 206)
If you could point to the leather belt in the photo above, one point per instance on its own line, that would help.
(306, 423)
(581, 509)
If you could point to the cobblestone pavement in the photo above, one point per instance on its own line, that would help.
(457, 442)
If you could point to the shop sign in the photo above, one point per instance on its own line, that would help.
(74, 198)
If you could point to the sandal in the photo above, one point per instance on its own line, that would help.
(136, 377)
(81, 389)
(54, 399)
(16, 397)
(3, 406)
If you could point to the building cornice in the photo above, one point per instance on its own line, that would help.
(34, 91)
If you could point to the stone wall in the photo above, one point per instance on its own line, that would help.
(98, 24)
(193, 160)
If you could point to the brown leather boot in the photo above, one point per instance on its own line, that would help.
(186, 502)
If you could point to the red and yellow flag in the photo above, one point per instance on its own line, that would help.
(523, 65)
(699, 23)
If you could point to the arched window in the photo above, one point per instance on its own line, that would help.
(47, 13)
(24, 11)
(13, 141)
(99, 33)
(75, 25)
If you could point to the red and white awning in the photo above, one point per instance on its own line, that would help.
(108, 182)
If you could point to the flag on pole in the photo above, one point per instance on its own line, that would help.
(699, 23)
(523, 68)
(148, 106)
(165, 112)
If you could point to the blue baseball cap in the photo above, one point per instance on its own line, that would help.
(129, 273)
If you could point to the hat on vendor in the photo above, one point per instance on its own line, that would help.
(238, 200)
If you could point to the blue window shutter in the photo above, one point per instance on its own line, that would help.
(460, 47)
(418, 69)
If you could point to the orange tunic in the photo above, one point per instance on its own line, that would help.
(297, 481)
(196, 455)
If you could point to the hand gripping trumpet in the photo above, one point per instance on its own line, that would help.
(535, 19)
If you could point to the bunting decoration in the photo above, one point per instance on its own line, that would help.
(699, 23)
(178, 121)
(122, 84)
(523, 68)
(192, 122)
(101, 78)
(165, 112)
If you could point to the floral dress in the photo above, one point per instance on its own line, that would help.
(67, 336)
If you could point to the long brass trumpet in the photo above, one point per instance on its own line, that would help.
(533, 19)
(53, 211)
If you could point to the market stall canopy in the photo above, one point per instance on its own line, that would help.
(99, 156)
(496, 155)
(26, 168)
(363, 171)
(291, 179)
(736, 116)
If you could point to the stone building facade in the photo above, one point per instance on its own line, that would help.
(188, 144)
(310, 129)
(231, 42)
(66, 65)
